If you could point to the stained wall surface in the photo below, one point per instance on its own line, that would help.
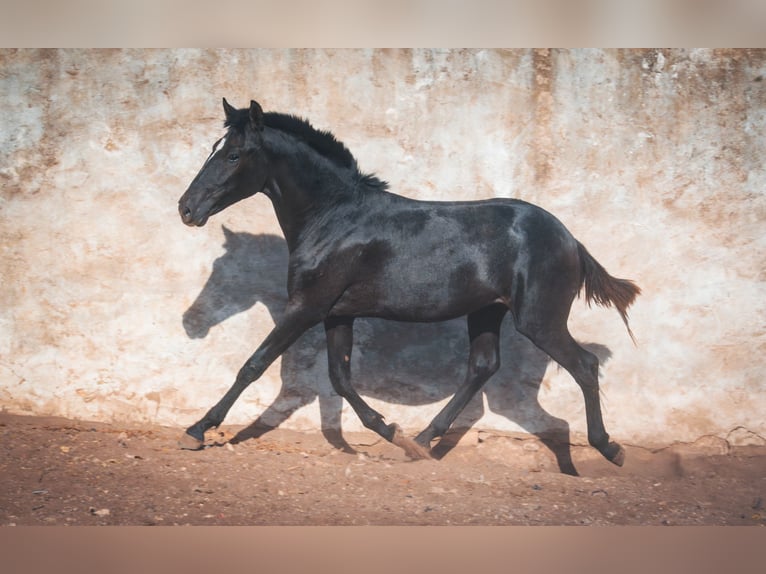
(111, 309)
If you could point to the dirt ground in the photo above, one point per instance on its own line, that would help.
(65, 472)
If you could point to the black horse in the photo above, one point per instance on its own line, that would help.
(357, 250)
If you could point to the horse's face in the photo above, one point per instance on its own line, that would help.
(235, 169)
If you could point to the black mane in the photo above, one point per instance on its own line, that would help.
(323, 142)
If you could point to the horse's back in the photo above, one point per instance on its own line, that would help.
(499, 228)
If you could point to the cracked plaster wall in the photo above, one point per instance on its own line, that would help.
(111, 309)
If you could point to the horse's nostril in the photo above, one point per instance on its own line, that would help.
(185, 212)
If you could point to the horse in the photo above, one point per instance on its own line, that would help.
(358, 250)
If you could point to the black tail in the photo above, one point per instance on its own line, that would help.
(606, 290)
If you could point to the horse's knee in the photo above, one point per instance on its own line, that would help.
(484, 364)
(339, 373)
(489, 366)
(247, 374)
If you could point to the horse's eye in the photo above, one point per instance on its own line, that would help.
(233, 157)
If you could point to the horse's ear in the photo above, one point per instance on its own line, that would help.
(256, 115)
(228, 110)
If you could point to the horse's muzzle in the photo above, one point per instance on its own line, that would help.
(187, 216)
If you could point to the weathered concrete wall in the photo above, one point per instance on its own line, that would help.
(111, 309)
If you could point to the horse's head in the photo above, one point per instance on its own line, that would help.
(235, 169)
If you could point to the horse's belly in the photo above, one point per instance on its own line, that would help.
(422, 295)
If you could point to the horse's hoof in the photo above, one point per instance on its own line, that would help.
(614, 453)
(411, 448)
(188, 442)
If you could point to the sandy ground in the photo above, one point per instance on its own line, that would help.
(66, 472)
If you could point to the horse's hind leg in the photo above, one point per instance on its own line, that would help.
(583, 366)
(340, 338)
(483, 362)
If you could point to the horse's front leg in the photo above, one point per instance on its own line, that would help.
(293, 325)
(340, 339)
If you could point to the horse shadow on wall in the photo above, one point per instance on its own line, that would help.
(403, 363)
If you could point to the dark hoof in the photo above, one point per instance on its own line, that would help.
(412, 449)
(614, 453)
(188, 442)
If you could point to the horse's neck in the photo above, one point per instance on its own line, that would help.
(289, 208)
(302, 191)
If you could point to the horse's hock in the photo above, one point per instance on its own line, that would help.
(112, 310)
